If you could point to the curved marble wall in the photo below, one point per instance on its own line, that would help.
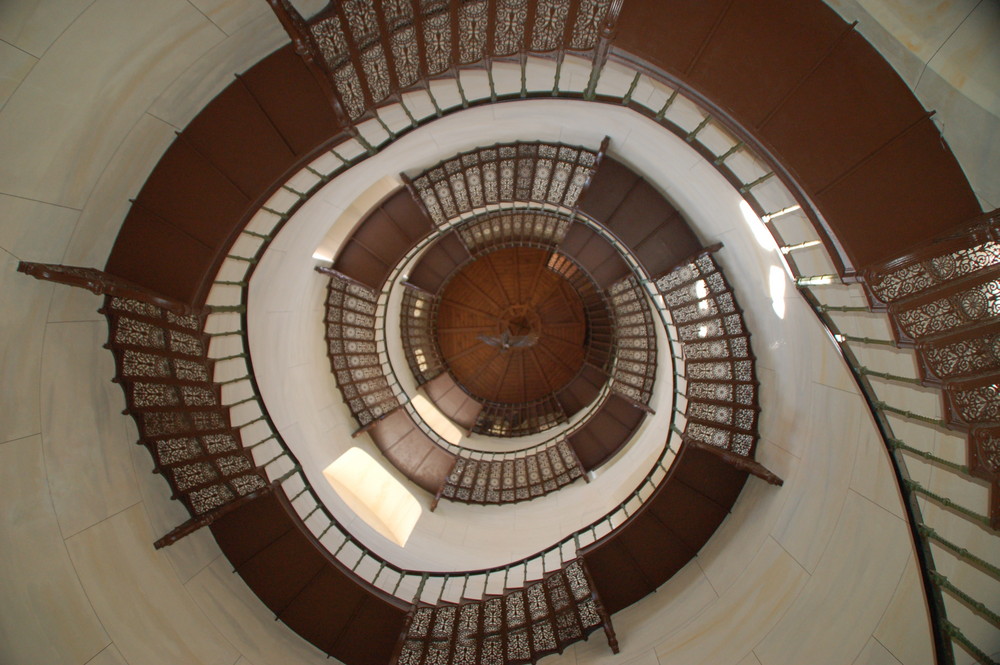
(92, 91)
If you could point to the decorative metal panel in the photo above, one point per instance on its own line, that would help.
(350, 337)
(908, 280)
(527, 172)
(161, 363)
(721, 385)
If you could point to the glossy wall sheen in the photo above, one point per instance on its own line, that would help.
(91, 94)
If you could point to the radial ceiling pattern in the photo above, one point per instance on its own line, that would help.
(510, 328)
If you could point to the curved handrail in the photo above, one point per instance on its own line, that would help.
(607, 519)
(601, 525)
(798, 195)
(455, 223)
(746, 188)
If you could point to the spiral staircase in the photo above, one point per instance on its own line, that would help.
(169, 267)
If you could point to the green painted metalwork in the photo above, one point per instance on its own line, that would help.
(882, 406)
(666, 105)
(750, 185)
(914, 486)
(930, 533)
(701, 125)
(900, 445)
(867, 371)
(973, 604)
(729, 153)
(867, 340)
(627, 99)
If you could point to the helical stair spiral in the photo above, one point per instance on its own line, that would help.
(223, 455)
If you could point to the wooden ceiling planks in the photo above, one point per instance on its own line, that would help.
(511, 291)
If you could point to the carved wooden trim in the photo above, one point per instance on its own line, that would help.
(751, 466)
(206, 519)
(102, 283)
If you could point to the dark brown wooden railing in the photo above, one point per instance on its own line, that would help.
(721, 386)
(635, 343)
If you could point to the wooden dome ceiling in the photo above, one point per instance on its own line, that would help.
(510, 328)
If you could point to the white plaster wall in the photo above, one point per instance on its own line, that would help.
(91, 92)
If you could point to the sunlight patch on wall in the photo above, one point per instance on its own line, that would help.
(374, 495)
(352, 214)
(436, 420)
(758, 228)
(777, 283)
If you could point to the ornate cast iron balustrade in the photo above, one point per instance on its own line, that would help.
(944, 300)
(721, 384)
(368, 52)
(167, 377)
(635, 343)
(544, 173)
(519, 626)
(507, 479)
(161, 360)
(353, 350)
(958, 256)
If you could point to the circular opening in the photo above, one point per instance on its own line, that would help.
(510, 328)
